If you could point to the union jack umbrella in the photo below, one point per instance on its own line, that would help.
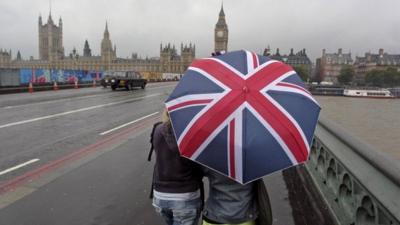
(243, 115)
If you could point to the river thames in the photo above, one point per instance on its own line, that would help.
(374, 121)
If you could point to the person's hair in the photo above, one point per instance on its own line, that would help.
(165, 117)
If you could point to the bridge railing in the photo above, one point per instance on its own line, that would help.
(360, 184)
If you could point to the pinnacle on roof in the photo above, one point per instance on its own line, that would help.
(221, 12)
(106, 33)
(50, 20)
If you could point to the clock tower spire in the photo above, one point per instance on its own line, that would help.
(221, 32)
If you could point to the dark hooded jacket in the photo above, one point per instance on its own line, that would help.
(173, 173)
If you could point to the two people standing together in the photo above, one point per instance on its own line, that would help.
(178, 194)
(268, 118)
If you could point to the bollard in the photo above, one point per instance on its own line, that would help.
(30, 88)
(55, 86)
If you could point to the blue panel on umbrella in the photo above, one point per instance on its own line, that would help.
(236, 59)
(215, 155)
(302, 109)
(194, 83)
(295, 79)
(181, 118)
(263, 59)
(262, 153)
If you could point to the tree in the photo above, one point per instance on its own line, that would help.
(383, 78)
(390, 77)
(374, 78)
(301, 71)
(346, 74)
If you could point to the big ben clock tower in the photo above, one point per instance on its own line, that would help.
(221, 33)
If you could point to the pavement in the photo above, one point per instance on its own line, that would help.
(91, 147)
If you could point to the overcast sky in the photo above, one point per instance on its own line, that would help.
(141, 25)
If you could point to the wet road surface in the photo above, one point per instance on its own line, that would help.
(80, 157)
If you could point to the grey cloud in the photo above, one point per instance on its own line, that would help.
(141, 25)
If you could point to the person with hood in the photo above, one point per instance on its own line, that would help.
(177, 181)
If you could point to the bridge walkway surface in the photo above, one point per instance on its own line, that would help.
(111, 186)
(88, 176)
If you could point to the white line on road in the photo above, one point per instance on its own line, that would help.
(126, 124)
(18, 166)
(73, 111)
(75, 98)
(166, 86)
(50, 101)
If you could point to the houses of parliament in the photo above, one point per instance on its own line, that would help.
(52, 55)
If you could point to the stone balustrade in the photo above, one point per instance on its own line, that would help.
(360, 184)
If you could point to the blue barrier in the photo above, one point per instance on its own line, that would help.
(61, 76)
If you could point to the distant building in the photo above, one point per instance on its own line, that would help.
(19, 57)
(87, 52)
(294, 59)
(51, 55)
(51, 40)
(330, 65)
(170, 61)
(5, 57)
(380, 61)
(221, 33)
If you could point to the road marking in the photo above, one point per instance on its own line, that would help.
(166, 86)
(55, 169)
(74, 111)
(126, 124)
(75, 98)
(82, 97)
(49, 101)
(18, 166)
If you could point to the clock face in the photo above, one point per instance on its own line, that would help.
(220, 33)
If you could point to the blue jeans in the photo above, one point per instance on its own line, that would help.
(179, 212)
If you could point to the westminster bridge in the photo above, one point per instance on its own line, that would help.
(78, 156)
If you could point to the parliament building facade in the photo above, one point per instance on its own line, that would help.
(52, 55)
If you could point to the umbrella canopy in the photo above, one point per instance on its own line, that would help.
(243, 115)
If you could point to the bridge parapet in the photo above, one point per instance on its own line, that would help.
(361, 185)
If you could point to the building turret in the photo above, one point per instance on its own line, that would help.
(106, 33)
(50, 40)
(87, 52)
(19, 58)
(49, 19)
(221, 33)
(188, 54)
(40, 20)
(221, 12)
(107, 52)
(5, 58)
(267, 51)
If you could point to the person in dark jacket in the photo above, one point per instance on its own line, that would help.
(177, 181)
